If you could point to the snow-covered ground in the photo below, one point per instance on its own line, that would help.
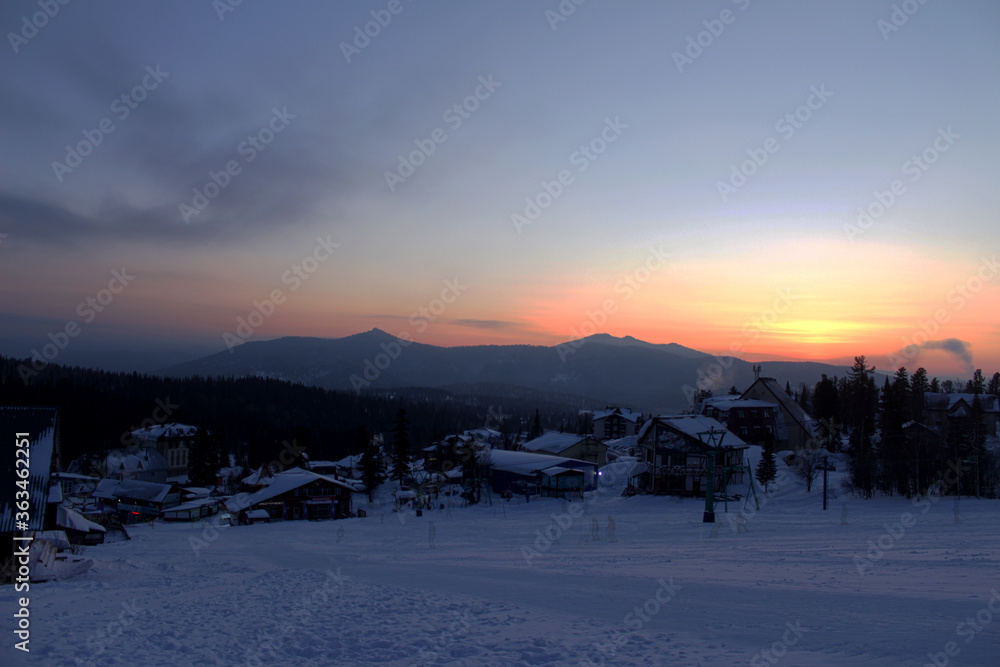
(483, 588)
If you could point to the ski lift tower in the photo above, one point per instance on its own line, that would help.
(712, 440)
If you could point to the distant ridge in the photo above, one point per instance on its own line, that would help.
(600, 368)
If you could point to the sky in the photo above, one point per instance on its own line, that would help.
(809, 180)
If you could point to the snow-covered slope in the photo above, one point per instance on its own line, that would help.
(489, 585)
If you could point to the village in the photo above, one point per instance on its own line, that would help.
(714, 453)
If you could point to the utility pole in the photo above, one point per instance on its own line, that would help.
(712, 446)
(826, 470)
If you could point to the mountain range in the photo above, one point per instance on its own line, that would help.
(597, 371)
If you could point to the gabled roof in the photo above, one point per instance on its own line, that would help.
(554, 442)
(283, 482)
(67, 518)
(130, 488)
(40, 425)
(785, 401)
(259, 477)
(526, 463)
(692, 426)
(626, 413)
(949, 402)
(142, 459)
(726, 403)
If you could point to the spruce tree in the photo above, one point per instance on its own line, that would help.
(767, 469)
(401, 447)
(203, 462)
(372, 464)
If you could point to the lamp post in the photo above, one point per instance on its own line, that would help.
(708, 439)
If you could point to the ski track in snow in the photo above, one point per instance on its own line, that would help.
(293, 594)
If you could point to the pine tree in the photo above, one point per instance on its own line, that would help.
(862, 405)
(401, 447)
(536, 426)
(372, 464)
(767, 469)
(203, 463)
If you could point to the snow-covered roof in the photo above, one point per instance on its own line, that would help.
(553, 441)
(260, 477)
(169, 430)
(192, 505)
(352, 461)
(142, 459)
(39, 423)
(558, 470)
(527, 463)
(67, 518)
(622, 444)
(725, 403)
(948, 402)
(283, 482)
(786, 402)
(692, 426)
(626, 413)
(134, 489)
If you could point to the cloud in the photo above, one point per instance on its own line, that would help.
(959, 348)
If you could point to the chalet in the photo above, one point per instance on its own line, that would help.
(257, 480)
(755, 422)
(78, 528)
(37, 436)
(793, 427)
(298, 494)
(569, 445)
(949, 412)
(193, 510)
(675, 454)
(614, 423)
(134, 500)
(173, 441)
(545, 474)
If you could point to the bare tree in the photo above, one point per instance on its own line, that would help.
(808, 465)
